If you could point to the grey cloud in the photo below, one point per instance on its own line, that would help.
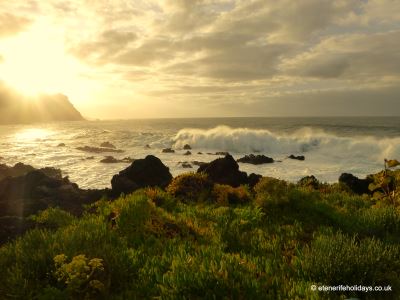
(352, 57)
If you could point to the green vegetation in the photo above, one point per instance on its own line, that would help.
(197, 240)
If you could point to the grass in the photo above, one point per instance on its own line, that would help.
(198, 241)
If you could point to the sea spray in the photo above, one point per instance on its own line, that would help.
(304, 140)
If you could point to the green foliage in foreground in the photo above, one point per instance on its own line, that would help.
(271, 243)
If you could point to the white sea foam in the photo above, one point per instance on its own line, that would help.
(305, 140)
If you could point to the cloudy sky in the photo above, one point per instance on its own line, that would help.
(185, 58)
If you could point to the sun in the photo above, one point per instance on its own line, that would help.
(35, 62)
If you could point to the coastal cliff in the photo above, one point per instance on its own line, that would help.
(18, 109)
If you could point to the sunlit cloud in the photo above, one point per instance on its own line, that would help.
(143, 55)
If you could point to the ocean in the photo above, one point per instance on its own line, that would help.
(331, 145)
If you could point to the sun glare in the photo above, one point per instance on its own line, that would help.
(35, 62)
(32, 134)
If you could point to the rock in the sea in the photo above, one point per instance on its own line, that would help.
(187, 153)
(113, 160)
(61, 145)
(186, 165)
(20, 169)
(198, 163)
(200, 153)
(98, 150)
(224, 171)
(358, 186)
(256, 159)
(147, 146)
(168, 150)
(221, 153)
(149, 171)
(107, 145)
(299, 157)
(187, 147)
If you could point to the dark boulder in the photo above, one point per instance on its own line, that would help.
(168, 150)
(61, 145)
(186, 165)
(253, 179)
(256, 159)
(220, 153)
(35, 191)
(187, 147)
(198, 163)
(113, 160)
(299, 157)
(224, 171)
(107, 145)
(187, 153)
(146, 172)
(358, 186)
(98, 150)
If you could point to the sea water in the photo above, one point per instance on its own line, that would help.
(331, 146)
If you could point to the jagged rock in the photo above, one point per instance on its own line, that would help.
(256, 159)
(187, 153)
(358, 186)
(253, 179)
(113, 160)
(299, 157)
(21, 169)
(98, 150)
(149, 171)
(27, 194)
(221, 153)
(224, 171)
(187, 147)
(198, 163)
(107, 145)
(168, 150)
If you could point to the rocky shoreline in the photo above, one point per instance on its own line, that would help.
(25, 191)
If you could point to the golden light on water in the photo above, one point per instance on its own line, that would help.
(32, 134)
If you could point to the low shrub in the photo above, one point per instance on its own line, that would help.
(53, 218)
(335, 259)
(272, 192)
(191, 187)
(226, 194)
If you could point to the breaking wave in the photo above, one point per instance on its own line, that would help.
(244, 140)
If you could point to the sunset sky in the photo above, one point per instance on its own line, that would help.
(197, 58)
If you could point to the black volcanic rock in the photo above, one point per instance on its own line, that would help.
(358, 186)
(187, 147)
(256, 159)
(107, 145)
(149, 171)
(299, 157)
(187, 153)
(27, 194)
(113, 160)
(253, 179)
(168, 150)
(224, 171)
(98, 150)
(16, 108)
